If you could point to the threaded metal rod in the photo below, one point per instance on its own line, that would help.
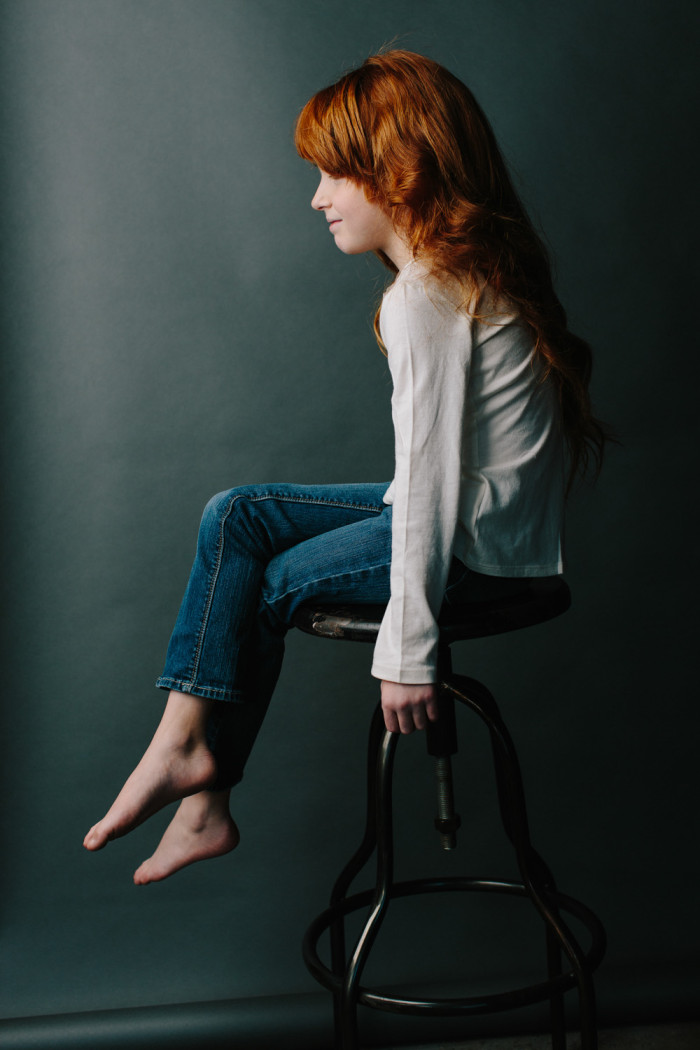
(447, 821)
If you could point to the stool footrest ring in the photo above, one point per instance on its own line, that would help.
(452, 1007)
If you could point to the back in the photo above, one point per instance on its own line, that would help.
(471, 391)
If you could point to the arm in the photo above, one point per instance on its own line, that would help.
(429, 347)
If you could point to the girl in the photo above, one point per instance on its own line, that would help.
(490, 394)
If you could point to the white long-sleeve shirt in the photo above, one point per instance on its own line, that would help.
(479, 468)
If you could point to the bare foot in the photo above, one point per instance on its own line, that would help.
(202, 828)
(177, 763)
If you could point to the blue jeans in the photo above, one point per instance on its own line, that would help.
(262, 551)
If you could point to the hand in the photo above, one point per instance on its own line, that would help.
(408, 707)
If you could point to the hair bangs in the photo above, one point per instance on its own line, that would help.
(330, 134)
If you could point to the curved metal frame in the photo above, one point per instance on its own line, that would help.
(343, 976)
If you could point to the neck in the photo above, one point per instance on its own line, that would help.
(398, 250)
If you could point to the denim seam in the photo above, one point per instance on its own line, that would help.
(184, 686)
(220, 553)
(310, 499)
(335, 576)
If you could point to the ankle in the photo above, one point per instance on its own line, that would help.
(184, 721)
(207, 803)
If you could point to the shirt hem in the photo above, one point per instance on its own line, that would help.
(553, 569)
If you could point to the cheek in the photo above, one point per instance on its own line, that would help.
(370, 218)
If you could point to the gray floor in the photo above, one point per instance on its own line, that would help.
(655, 1037)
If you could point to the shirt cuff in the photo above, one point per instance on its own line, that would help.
(420, 675)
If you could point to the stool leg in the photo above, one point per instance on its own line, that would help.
(540, 885)
(511, 796)
(364, 851)
(381, 789)
(556, 1001)
(378, 825)
(536, 876)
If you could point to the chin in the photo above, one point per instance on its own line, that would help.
(351, 249)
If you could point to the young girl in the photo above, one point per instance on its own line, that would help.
(490, 394)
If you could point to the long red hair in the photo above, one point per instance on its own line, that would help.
(416, 139)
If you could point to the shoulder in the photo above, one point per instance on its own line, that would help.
(416, 285)
(419, 303)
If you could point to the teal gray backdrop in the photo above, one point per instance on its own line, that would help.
(176, 321)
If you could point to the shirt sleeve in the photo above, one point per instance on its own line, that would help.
(429, 345)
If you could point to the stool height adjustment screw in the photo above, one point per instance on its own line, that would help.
(447, 821)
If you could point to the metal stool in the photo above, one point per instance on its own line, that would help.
(540, 600)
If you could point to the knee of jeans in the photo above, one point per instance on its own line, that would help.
(215, 509)
(241, 511)
(216, 504)
(224, 502)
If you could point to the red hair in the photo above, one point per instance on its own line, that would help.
(416, 139)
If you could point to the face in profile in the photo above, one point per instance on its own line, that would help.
(357, 224)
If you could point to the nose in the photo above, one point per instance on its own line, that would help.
(319, 201)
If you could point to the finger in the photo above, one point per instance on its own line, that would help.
(431, 709)
(419, 716)
(406, 720)
(391, 721)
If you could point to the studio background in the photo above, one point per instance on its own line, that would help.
(177, 321)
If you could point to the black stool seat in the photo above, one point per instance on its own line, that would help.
(531, 602)
(508, 606)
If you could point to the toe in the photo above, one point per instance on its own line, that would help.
(92, 839)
